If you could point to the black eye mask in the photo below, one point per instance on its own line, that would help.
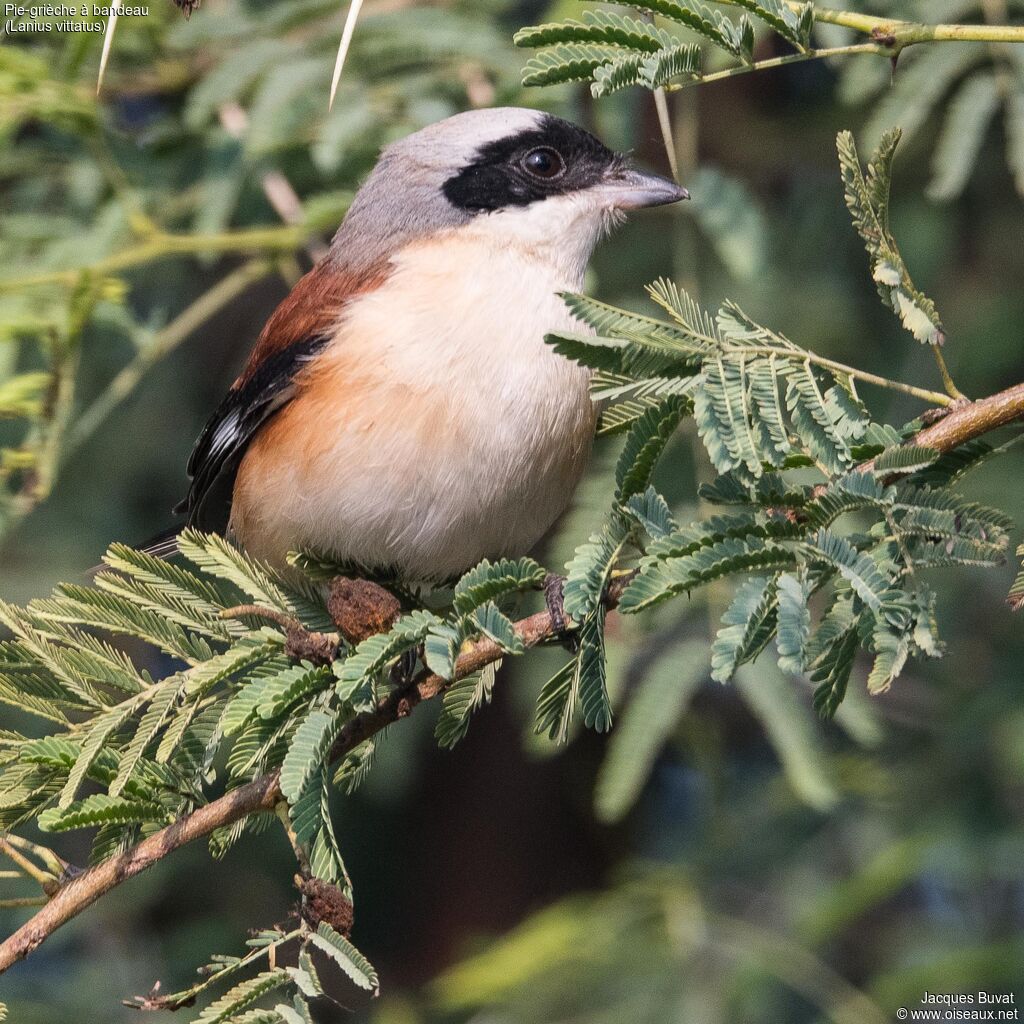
(499, 175)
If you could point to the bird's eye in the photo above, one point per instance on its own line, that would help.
(544, 163)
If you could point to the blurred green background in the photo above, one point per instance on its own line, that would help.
(774, 867)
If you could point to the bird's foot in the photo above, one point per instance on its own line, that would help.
(554, 598)
(562, 634)
(404, 670)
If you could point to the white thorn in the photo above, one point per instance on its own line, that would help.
(108, 39)
(346, 39)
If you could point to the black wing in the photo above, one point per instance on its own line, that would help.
(218, 451)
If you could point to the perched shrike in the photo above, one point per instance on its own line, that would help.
(400, 409)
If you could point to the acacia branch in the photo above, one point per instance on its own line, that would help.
(962, 424)
(974, 419)
(71, 899)
(897, 33)
(262, 794)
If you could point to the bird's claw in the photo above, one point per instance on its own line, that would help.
(554, 598)
(561, 631)
(404, 670)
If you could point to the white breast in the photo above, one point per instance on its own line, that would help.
(437, 429)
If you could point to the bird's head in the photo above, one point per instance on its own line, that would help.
(509, 176)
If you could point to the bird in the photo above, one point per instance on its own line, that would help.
(400, 410)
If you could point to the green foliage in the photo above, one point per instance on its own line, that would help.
(649, 719)
(493, 581)
(155, 748)
(644, 446)
(358, 674)
(793, 25)
(346, 956)
(302, 981)
(460, 701)
(764, 407)
(735, 38)
(963, 87)
(243, 995)
(829, 558)
(601, 27)
(307, 750)
(556, 704)
(794, 621)
(99, 809)
(906, 458)
(651, 72)
(867, 196)
(613, 51)
(747, 626)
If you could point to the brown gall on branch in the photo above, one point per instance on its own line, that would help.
(964, 423)
(322, 901)
(361, 609)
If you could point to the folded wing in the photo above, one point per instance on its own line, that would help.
(300, 328)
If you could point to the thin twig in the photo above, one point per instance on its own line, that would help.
(58, 865)
(258, 611)
(300, 643)
(281, 811)
(665, 123)
(900, 33)
(778, 62)
(177, 1000)
(36, 873)
(947, 378)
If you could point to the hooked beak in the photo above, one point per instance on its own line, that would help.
(629, 189)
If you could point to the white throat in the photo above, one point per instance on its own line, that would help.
(560, 231)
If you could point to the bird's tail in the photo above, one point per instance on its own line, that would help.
(163, 545)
